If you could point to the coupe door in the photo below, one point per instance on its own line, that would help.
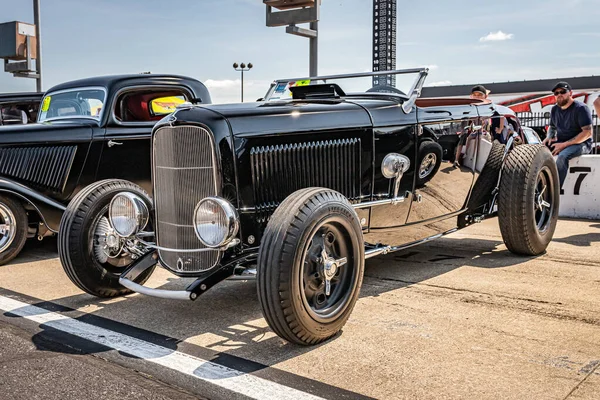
(126, 153)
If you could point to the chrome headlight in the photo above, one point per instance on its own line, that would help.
(128, 214)
(215, 221)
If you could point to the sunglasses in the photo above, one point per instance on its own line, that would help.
(559, 92)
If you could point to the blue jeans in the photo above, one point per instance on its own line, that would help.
(562, 161)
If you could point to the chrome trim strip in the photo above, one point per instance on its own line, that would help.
(233, 243)
(375, 203)
(389, 249)
(160, 293)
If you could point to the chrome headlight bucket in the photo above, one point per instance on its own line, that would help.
(215, 222)
(128, 214)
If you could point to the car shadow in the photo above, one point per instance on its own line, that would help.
(225, 325)
(420, 263)
(35, 250)
(582, 240)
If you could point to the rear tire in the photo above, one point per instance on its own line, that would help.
(481, 193)
(14, 219)
(77, 240)
(292, 272)
(528, 200)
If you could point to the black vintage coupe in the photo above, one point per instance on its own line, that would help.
(298, 190)
(86, 130)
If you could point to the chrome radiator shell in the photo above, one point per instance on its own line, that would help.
(184, 171)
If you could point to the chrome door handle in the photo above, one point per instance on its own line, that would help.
(112, 143)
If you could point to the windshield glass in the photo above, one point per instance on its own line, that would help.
(400, 82)
(73, 103)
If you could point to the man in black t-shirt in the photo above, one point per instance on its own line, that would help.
(572, 123)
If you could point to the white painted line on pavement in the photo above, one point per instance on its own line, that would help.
(227, 378)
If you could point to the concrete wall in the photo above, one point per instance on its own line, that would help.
(581, 198)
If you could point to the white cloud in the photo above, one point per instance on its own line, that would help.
(439, 83)
(496, 36)
(228, 90)
(222, 84)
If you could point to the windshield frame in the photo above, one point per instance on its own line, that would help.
(75, 89)
(409, 98)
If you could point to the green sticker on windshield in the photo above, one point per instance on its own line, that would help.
(46, 103)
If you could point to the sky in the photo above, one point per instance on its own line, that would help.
(462, 41)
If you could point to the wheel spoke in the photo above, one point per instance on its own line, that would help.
(4, 229)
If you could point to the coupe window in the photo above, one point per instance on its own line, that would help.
(148, 105)
(76, 103)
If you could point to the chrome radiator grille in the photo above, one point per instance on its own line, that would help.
(278, 171)
(43, 167)
(184, 174)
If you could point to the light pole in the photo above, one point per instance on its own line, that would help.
(38, 29)
(242, 68)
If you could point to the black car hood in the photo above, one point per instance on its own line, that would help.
(297, 116)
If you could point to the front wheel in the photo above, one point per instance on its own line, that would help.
(91, 252)
(528, 199)
(310, 266)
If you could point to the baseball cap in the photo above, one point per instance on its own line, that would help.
(480, 88)
(561, 85)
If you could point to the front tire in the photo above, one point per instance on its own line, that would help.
(528, 199)
(13, 231)
(310, 266)
(92, 265)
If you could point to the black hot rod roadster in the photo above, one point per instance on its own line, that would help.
(298, 190)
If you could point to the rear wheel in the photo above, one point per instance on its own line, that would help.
(91, 253)
(13, 228)
(528, 200)
(430, 159)
(310, 266)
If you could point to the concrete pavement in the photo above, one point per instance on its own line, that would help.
(459, 317)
